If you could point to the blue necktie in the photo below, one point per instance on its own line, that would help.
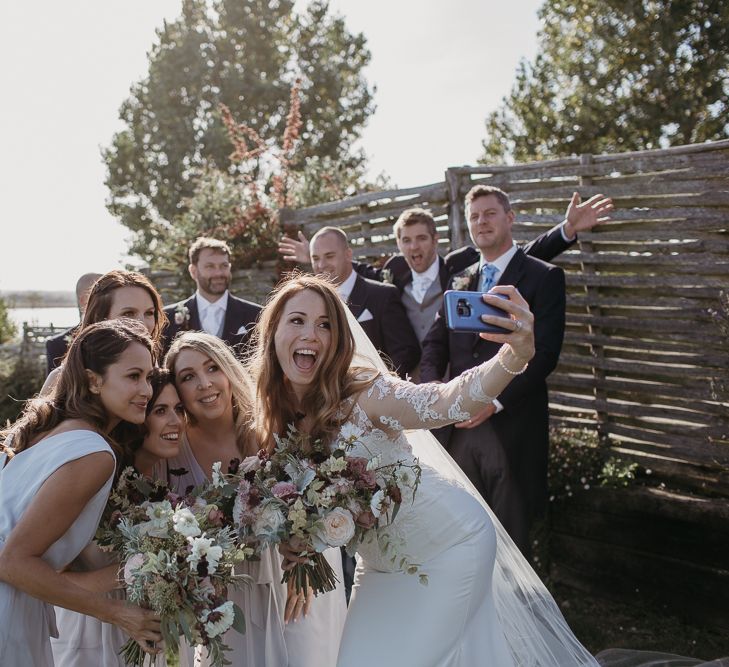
(488, 273)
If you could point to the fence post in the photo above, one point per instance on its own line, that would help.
(456, 223)
(597, 350)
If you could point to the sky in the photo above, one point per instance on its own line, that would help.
(439, 68)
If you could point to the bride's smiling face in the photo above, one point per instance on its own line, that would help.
(302, 339)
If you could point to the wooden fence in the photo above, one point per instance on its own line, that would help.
(646, 353)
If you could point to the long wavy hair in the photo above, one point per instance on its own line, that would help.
(95, 348)
(101, 295)
(335, 380)
(240, 381)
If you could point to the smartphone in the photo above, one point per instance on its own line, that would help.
(463, 312)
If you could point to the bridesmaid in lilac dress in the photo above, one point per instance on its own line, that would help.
(86, 641)
(57, 462)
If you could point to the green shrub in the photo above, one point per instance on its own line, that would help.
(20, 378)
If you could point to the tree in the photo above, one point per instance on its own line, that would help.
(7, 326)
(244, 54)
(617, 75)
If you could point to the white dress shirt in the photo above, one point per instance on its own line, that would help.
(345, 289)
(422, 281)
(212, 313)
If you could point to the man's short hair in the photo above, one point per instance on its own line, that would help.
(484, 190)
(207, 243)
(339, 233)
(413, 216)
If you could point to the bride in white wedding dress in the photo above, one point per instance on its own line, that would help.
(480, 607)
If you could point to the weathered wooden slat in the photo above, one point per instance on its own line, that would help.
(618, 189)
(685, 446)
(562, 380)
(684, 413)
(432, 191)
(704, 285)
(377, 216)
(704, 264)
(713, 362)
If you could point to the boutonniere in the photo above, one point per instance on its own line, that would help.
(182, 315)
(461, 282)
(386, 276)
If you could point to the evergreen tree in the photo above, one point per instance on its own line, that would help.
(617, 75)
(244, 54)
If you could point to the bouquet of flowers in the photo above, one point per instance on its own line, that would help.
(316, 496)
(178, 556)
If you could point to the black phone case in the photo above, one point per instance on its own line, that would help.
(463, 312)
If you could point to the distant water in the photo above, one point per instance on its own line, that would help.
(43, 317)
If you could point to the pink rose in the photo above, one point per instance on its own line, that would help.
(284, 490)
(356, 465)
(131, 567)
(367, 480)
(215, 516)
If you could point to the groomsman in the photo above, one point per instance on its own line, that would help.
(376, 306)
(56, 346)
(503, 449)
(212, 308)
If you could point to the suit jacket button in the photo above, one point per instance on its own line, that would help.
(475, 355)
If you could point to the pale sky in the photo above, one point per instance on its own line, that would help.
(439, 67)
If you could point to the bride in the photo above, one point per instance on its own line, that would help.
(483, 604)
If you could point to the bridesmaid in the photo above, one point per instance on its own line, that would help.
(58, 461)
(85, 641)
(121, 294)
(217, 394)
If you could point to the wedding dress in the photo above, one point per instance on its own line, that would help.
(27, 623)
(483, 604)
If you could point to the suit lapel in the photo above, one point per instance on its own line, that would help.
(514, 269)
(191, 305)
(357, 297)
(443, 274)
(231, 317)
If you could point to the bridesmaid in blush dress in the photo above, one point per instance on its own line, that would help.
(217, 393)
(57, 461)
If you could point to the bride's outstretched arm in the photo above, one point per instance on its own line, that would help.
(396, 404)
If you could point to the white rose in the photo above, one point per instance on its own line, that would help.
(337, 527)
(131, 567)
(269, 522)
(185, 523)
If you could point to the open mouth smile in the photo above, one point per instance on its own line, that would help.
(305, 358)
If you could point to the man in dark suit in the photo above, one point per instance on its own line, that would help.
(212, 308)
(503, 450)
(376, 306)
(57, 346)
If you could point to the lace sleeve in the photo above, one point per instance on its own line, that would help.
(396, 404)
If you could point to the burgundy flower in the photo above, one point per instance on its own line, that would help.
(366, 520)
